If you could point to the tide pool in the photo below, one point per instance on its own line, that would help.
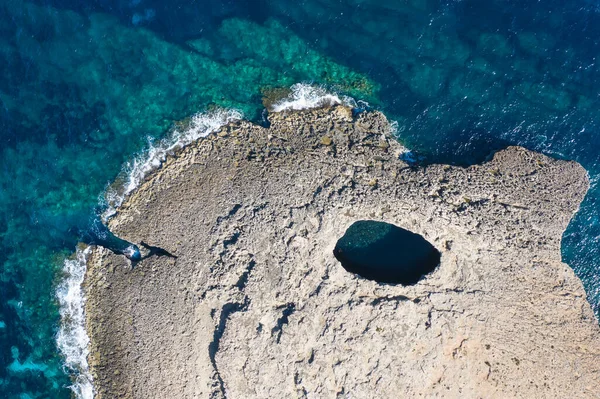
(89, 89)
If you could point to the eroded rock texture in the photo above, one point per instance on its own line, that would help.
(256, 305)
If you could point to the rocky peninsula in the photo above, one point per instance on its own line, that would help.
(256, 306)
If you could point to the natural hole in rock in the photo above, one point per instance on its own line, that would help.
(386, 253)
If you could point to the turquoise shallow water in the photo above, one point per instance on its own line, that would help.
(85, 85)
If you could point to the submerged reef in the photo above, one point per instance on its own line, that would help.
(255, 305)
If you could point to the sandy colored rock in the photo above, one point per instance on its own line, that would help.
(256, 305)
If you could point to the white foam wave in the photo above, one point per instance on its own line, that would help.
(306, 96)
(200, 125)
(72, 339)
(405, 154)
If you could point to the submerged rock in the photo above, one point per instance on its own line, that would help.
(385, 253)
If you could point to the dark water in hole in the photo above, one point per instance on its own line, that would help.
(85, 84)
(385, 253)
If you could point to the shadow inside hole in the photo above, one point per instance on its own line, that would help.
(386, 253)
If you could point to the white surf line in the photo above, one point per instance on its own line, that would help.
(307, 96)
(72, 339)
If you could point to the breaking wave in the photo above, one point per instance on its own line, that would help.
(306, 96)
(72, 339)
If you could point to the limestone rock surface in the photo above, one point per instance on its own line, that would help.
(256, 305)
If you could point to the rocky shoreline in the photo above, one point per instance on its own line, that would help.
(256, 305)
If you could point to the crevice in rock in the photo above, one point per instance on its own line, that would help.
(231, 239)
(288, 309)
(317, 191)
(258, 208)
(230, 214)
(243, 280)
(213, 347)
(319, 287)
(395, 298)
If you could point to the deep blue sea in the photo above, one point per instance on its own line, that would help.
(88, 89)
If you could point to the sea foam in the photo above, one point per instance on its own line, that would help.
(306, 96)
(72, 339)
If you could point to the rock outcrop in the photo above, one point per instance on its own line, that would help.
(256, 306)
